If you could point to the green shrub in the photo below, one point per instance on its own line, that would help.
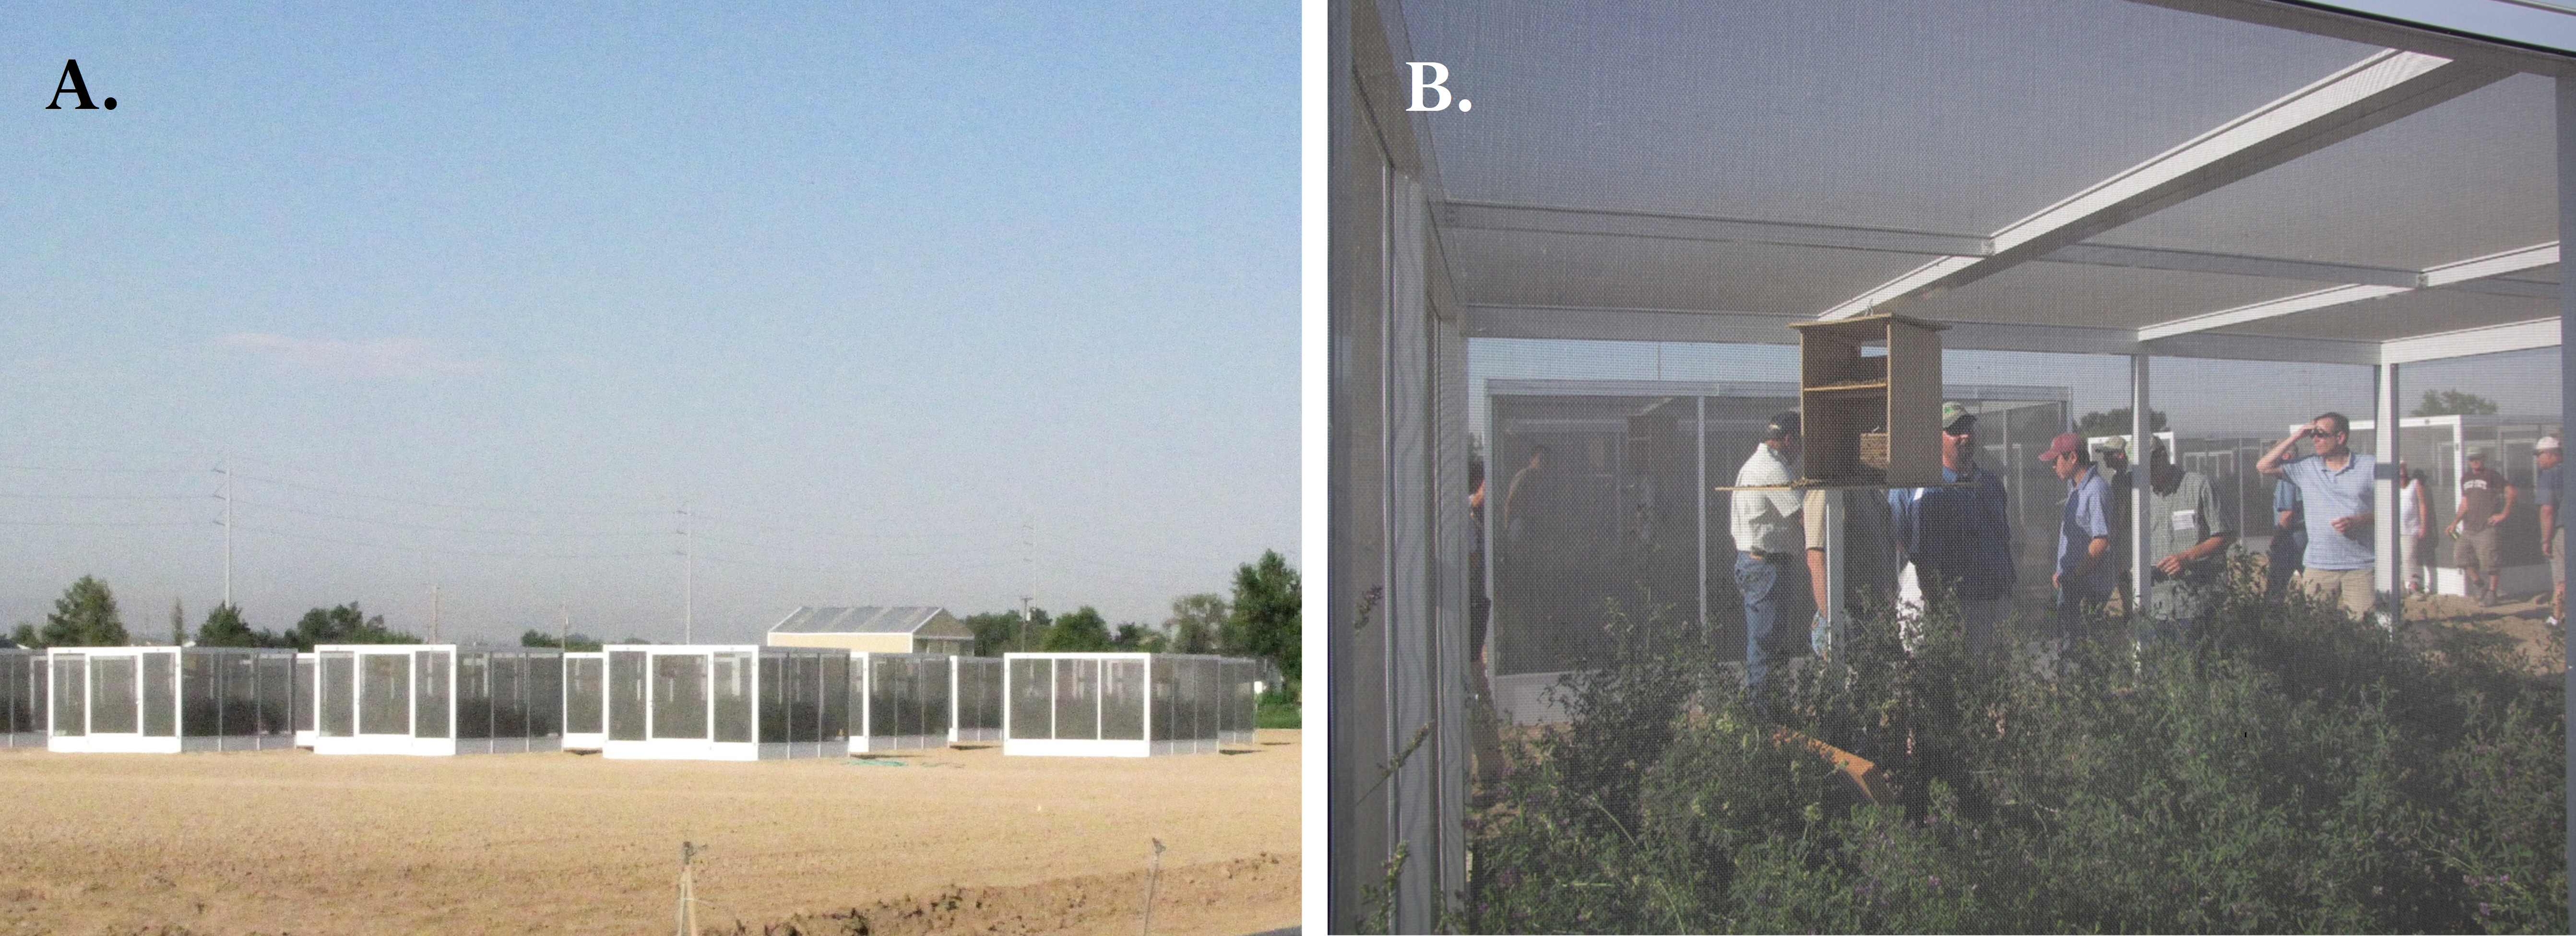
(2288, 770)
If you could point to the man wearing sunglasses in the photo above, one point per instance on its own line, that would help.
(2335, 483)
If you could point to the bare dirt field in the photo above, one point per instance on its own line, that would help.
(966, 840)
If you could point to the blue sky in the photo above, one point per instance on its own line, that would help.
(909, 304)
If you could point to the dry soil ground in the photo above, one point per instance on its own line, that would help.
(290, 842)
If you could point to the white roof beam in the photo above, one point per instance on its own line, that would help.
(2193, 261)
(2448, 274)
(1491, 216)
(2386, 86)
(2516, 336)
(1594, 323)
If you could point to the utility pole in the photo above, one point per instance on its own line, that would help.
(563, 630)
(227, 469)
(1024, 623)
(688, 579)
(433, 614)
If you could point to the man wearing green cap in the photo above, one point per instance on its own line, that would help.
(1960, 538)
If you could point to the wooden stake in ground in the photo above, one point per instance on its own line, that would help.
(689, 889)
(1153, 875)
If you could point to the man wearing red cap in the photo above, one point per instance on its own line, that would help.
(2083, 577)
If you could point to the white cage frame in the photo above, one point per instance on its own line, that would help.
(975, 685)
(649, 746)
(1164, 677)
(442, 665)
(595, 687)
(175, 684)
(936, 682)
(22, 697)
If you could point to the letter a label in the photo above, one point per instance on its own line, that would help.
(71, 84)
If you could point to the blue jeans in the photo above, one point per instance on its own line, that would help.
(1766, 606)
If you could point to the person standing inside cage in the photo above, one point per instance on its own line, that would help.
(2083, 578)
(2114, 459)
(1869, 562)
(1766, 526)
(2553, 538)
(2486, 499)
(2335, 485)
(1959, 539)
(2410, 528)
(2187, 539)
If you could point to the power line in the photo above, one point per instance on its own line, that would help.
(451, 552)
(93, 523)
(843, 552)
(186, 471)
(421, 503)
(971, 531)
(443, 529)
(102, 497)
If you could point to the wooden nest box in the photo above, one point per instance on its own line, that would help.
(1871, 419)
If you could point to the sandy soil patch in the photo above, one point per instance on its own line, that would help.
(288, 842)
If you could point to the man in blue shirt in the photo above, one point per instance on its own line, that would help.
(2335, 483)
(2083, 578)
(1960, 538)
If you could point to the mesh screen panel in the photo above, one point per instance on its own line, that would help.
(432, 696)
(679, 695)
(585, 694)
(160, 694)
(337, 684)
(113, 708)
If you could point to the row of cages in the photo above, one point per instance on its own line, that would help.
(693, 702)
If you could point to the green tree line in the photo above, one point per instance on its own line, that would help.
(1261, 619)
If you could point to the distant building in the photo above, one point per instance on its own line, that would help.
(875, 629)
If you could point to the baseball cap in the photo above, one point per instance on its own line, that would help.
(2477, 454)
(2118, 444)
(1783, 425)
(2546, 444)
(1953, 414)
(2064, 443)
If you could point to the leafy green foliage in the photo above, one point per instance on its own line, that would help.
(575, 642)
(344, 624)
(1267, 619)
(2454, 402)
(999, 632)
(224, 627)
(2116, 422)
(1138, 638)
(2291, 770)
(1197, 624)
(85, 616)
(1083, 631)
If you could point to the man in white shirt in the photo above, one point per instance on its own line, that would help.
(1767, 528)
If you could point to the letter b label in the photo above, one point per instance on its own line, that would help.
(1428, 79)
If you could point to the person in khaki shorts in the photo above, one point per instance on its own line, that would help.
(2486, 499)
(2335, 483)
(2553, 537)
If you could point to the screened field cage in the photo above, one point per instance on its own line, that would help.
(1238, 725)
(2205, 221)
(168, 700)
(726, 702)
(1115, 704)
(585, 700)
(1623, 517)
(437, 700)
(975, 700)
(899, 702)
(22, 697)
(305, 701)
